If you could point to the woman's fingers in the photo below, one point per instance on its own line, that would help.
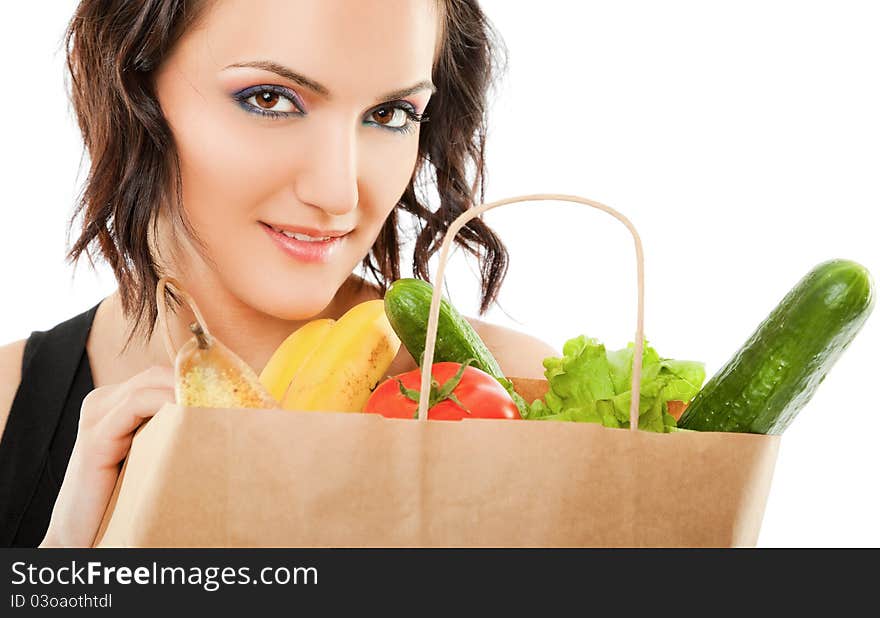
(101, 401)
(132, 409)
(108, 441)
(108, 419)
(111, 414)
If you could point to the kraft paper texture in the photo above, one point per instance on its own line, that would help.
(272, 478)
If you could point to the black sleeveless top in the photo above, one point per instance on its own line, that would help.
(41, 428)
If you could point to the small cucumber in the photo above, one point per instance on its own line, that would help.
(407, 304)
(776, 372)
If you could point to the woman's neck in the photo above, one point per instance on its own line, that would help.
(252, 335)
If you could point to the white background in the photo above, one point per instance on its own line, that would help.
(743, 140)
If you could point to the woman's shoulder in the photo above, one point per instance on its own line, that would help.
(11, 356)
(65, 338)
(518, 354)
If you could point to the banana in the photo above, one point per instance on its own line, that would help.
(292, 354)
(351, 360)
(210, 375)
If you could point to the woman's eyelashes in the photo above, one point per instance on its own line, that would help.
(277, 102)
(269, 101)
(398, 116)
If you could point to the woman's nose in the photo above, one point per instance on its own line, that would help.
(328, 178)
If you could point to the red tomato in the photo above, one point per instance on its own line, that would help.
(480, 393)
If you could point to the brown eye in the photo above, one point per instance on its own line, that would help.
(383, 115)
(267, 100)
(392, 117)
(272, 101)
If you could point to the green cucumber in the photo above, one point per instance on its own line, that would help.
(407, 304)
(775, 373)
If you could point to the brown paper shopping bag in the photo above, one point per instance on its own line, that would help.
(199, 477)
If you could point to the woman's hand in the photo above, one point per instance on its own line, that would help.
(108, 419)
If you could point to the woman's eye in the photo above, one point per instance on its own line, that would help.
(390, 117)
(272, 101)
(277, 102)
(269, 101)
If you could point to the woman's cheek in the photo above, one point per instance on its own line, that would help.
(389, 168)
(224, 173)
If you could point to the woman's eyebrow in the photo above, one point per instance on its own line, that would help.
(290, 74)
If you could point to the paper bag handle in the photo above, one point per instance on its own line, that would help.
(433, 316)
(161, 307)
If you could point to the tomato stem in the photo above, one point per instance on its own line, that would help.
(438, 392)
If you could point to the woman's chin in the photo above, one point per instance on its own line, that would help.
(291, 302)
(273, 290)
(291, 307)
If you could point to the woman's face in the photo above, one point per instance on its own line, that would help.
(293, 123)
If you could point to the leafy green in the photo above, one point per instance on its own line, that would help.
(591, 385)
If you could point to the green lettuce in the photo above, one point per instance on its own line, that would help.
(591, 385)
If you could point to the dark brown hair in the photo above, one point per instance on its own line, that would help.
(113, 47)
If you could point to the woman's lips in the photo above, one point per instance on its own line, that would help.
(311, 251)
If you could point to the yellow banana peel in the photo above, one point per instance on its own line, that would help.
(350, 360)
(292, 354)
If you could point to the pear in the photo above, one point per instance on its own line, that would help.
(210, 375)
(207, 373)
